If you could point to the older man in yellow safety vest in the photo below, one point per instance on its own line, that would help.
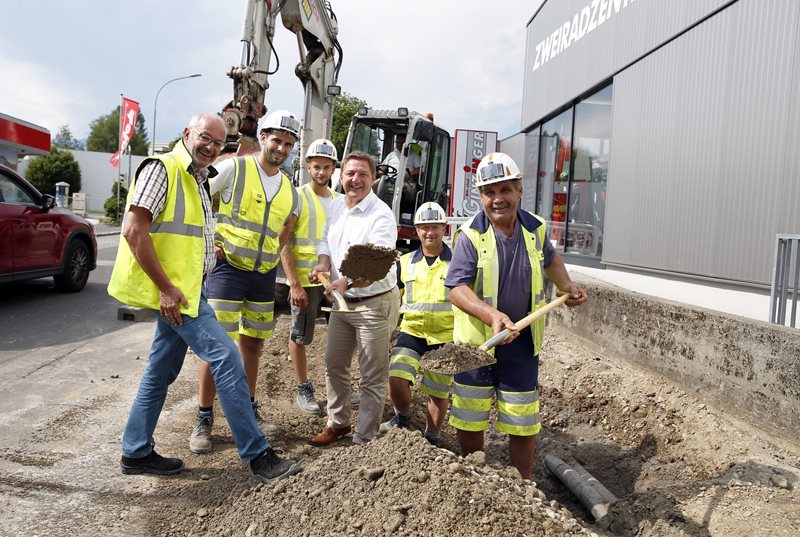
(500, 257)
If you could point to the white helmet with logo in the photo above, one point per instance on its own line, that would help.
(496, 167)
(281, 120)
(430, 213)
(322, 147)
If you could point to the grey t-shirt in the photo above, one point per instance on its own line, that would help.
(514, 279)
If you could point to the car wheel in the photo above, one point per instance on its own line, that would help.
(76, 268)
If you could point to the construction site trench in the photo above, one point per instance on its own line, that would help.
(679, 462)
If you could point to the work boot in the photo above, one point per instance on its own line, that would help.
(398, 420)
(305, 399)
(329, 435)
(263, 423)
(432, 438)
(269, 467)
(151, 464)
(200, 439)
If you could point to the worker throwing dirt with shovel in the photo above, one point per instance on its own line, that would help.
(427, 324)
(365, 312)
(500, 257)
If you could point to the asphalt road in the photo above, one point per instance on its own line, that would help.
(59, 351)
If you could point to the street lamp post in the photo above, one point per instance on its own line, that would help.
(155, 106)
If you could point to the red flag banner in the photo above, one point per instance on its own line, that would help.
(130, 111)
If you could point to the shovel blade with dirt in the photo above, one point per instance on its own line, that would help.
(453, 358)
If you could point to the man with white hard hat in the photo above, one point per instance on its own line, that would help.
(258, 209)
(300, 256)
(496, 277)
(427, 324)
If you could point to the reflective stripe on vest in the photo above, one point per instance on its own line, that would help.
(248, 224)
(427, 312)
(308, 232)
(473, 331)
(177, 235)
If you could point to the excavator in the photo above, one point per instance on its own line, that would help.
(419, 169)
(314, 24)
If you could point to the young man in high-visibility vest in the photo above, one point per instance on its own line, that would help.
(427, 324)
(258, 209)
(299, 257)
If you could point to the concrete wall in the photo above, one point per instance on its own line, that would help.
(751, 369)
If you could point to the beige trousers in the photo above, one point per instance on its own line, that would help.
(368, 332)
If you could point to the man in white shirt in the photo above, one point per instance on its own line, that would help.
(357, 217)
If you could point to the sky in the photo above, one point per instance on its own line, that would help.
(68, 62)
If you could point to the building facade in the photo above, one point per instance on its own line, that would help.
(662, 136)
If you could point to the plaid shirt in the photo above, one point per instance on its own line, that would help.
(150, 193)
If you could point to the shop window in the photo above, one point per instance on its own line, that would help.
(587, 187)
(571, 170)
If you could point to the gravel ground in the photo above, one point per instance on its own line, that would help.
(678, 466)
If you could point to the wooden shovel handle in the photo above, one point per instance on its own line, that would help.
(524, 322)
(323, 279)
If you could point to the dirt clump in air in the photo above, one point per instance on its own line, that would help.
(452, 358)
(368, 262)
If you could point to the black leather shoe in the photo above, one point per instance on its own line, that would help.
(151, 464)
(269, 467)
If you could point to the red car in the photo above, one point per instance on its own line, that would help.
(39, 239)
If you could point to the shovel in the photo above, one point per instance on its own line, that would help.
(340, 306)
(454, 358)
(526, 321)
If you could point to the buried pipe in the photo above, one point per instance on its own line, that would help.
(591, 493)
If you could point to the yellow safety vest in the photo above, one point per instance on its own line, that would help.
(427, 312)
(308, 233)
(177, 235)
(473, 331)
(248, 225)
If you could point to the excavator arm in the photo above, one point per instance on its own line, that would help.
(314, 25)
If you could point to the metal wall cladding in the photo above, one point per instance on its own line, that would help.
(613, 34)
(705, 166)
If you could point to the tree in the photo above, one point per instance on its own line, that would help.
(65, 140)
(114, 210)
(44, 172)
(104, 135)
(344, 108)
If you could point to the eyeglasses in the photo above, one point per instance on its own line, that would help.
(205, 139)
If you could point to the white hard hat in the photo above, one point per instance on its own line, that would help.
(281, 120)
(430, 213)
(322, 147)
(496, 167)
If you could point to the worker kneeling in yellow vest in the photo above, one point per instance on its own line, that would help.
(500, 257)
(258, 209)
(427, 324)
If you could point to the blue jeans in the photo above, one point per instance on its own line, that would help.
(209, 341)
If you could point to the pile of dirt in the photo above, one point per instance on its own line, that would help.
(368, 262)
(400, 485)
(452, 358)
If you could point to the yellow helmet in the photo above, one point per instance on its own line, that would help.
(430, 213)
(496, 167)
